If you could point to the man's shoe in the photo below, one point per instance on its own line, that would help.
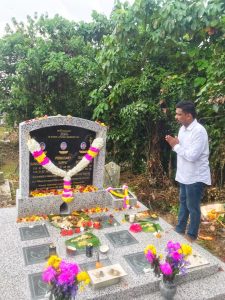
(190, 239)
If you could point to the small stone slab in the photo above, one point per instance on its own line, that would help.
(36, 254)
(137, 262)
(38, 288)
(92, 265)
(121, 238)
(196, 260)
(33, 232)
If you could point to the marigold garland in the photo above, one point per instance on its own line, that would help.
(125, 196)
(39, 155)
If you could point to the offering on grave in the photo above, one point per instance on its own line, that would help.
(70, 221)
(89, 250)
(132, 218)
(104, 249)
(146, 214)
(70, 250)
(81, 241)
(52, 250)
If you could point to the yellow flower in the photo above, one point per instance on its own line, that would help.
(54, 261)
(83, 276)
(151, 248)
(98, 209)
(186, 249)
(160, 256)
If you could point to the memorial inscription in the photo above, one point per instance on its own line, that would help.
(65, 146)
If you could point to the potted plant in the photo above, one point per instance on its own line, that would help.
(175, 263)
(64, 278)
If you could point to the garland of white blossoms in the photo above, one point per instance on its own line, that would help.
(39, 155)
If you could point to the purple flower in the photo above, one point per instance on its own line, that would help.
(150, 256)
(173, 246)
(176, 256)
(166, 269)
(48, 275)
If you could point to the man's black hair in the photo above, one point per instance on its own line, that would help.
(187, 107)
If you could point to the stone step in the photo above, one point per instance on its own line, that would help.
(208, 288)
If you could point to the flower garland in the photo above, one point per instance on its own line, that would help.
(39, 155)
(125, 196)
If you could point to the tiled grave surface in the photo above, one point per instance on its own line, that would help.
(105, 221)
(37, 287)
(78, 252)
(121, 238)
(33, 232)
(36, 254)
(91, 265)
(14, 273)
(137, 262)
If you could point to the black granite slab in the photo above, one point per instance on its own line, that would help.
(38, 288)
(36, 254)
(121, 238)
(137, 261)
(33, 232)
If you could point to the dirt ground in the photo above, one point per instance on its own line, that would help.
(162, 200)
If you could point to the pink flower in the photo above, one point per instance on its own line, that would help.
(48, 275)
(72, 268)
(150, 256)
(66, 278)
(176, 256)
(166, 269)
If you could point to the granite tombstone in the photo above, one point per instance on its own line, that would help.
(64, 140)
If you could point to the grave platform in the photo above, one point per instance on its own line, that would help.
(23, 256)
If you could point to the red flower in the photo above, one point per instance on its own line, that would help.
(135, 228)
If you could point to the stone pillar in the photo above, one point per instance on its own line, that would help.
(112, 175)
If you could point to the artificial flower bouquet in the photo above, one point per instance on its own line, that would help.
(64, 278)
(175, 260)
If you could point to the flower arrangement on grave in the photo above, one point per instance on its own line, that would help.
(175, 260)
(39, 155)
(123, 195)
(64, 278)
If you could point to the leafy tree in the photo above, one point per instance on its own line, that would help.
(48, 66)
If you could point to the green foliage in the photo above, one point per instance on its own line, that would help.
(49, 67)
(129, 71)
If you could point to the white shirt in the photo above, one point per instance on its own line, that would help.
(192, 155)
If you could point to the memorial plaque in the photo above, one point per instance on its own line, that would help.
(65, 146)
(121, 238)
(36, 254)
(33, 232)
(38, 288)
(137, 261)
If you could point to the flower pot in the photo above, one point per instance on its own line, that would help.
(167, 289)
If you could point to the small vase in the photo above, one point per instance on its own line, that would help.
(167, 289)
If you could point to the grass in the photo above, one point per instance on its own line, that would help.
(3, 129)
(10, 169)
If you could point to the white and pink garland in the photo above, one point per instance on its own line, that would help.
(39, 155)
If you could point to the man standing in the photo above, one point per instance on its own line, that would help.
(193, 171)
